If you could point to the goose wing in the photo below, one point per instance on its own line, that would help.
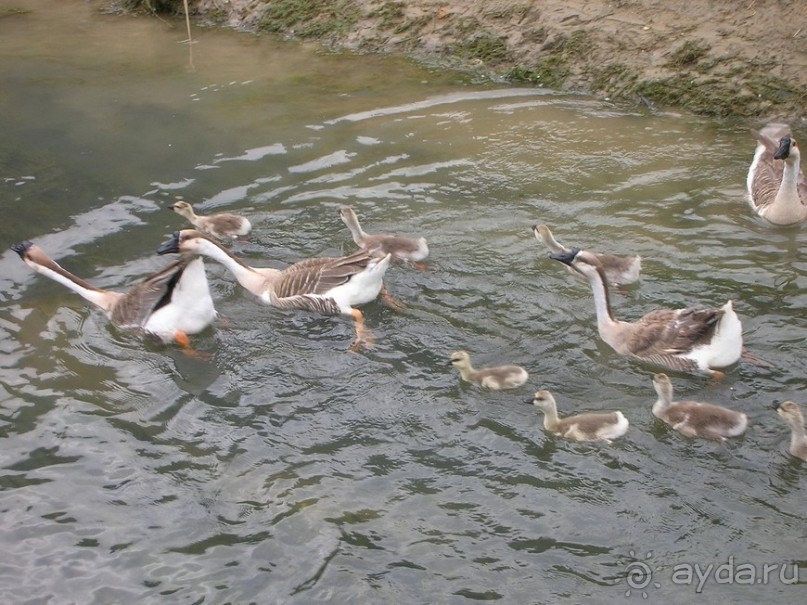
(666, 333)
(768, 172)
(319, 275)
(134, 308)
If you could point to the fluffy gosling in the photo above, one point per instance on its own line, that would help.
(603, 426)
(798, 438)
(500, 377)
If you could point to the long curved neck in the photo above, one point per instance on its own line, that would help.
(255, 280)
(788, 193)
(102, 298)
(606, 324)
(352, 222)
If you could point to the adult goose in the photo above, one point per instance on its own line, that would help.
(330, 286)
(169, 305)
(619, 270)
(222, 225)
(601, 426)
(401, 248)
(693, 418)
(777, 188)
(688, 340)
(495, 378)
(798, 437)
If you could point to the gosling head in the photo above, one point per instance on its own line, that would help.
(460, 359)
(663, 386)
(790, 412)
(543, 400)
(183, 208)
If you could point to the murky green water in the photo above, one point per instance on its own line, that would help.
(286, 470)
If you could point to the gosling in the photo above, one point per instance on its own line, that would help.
(693, 418)
(501, 377)
(793, 416)
(603, 426)
(222, 226)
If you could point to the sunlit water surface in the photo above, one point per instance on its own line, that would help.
(287, 470)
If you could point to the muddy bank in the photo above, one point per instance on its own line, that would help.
(728, 58)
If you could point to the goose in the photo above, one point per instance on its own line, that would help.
(222, 225)
(777, 188)
(603, 426)
(403, 249)
(169, 304)
(330, 286)
(693, 418)
(687, 340)
(500, 377)
(798, 438)
(619, 270)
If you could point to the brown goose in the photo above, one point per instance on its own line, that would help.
(170, 304)
(330, 286)
(619, 270)
(496, 378)
(402, 249)
(777, 188)
(798, 436)
(693, 418)
(582, 427)
(222, 226)
(690, 340)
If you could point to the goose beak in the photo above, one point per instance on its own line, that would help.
(565, 257)
(171, 246)
(22, 248)
(529, 401)
(784, 149)
(775, 406)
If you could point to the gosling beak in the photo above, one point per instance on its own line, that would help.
(775, 406)
(171, 246)
(567, 258)
(529, 401)
(784, 149)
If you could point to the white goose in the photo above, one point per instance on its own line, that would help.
(798, 436)
(495, 378)
(777, 188)
(690, 340)
(222, 225)
(693, 418)
(170, 304)
(619, 270)
(602, 426)
(402, 248)
(330, 286)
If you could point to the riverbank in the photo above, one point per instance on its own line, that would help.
(736, 58)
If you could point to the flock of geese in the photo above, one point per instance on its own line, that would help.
(176, 302)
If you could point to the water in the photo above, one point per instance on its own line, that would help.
(286, 470)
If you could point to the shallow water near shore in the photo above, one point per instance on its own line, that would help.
(288, 470)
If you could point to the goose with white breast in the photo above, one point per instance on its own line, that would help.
(325, 285)
(169, 304)
(687, 340)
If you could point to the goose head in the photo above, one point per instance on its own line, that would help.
(544, 235)
(27, 251)
(187, 241)
(460, 359)
(543, 400)
(788, 149)
(585, 263)
(790, 412)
